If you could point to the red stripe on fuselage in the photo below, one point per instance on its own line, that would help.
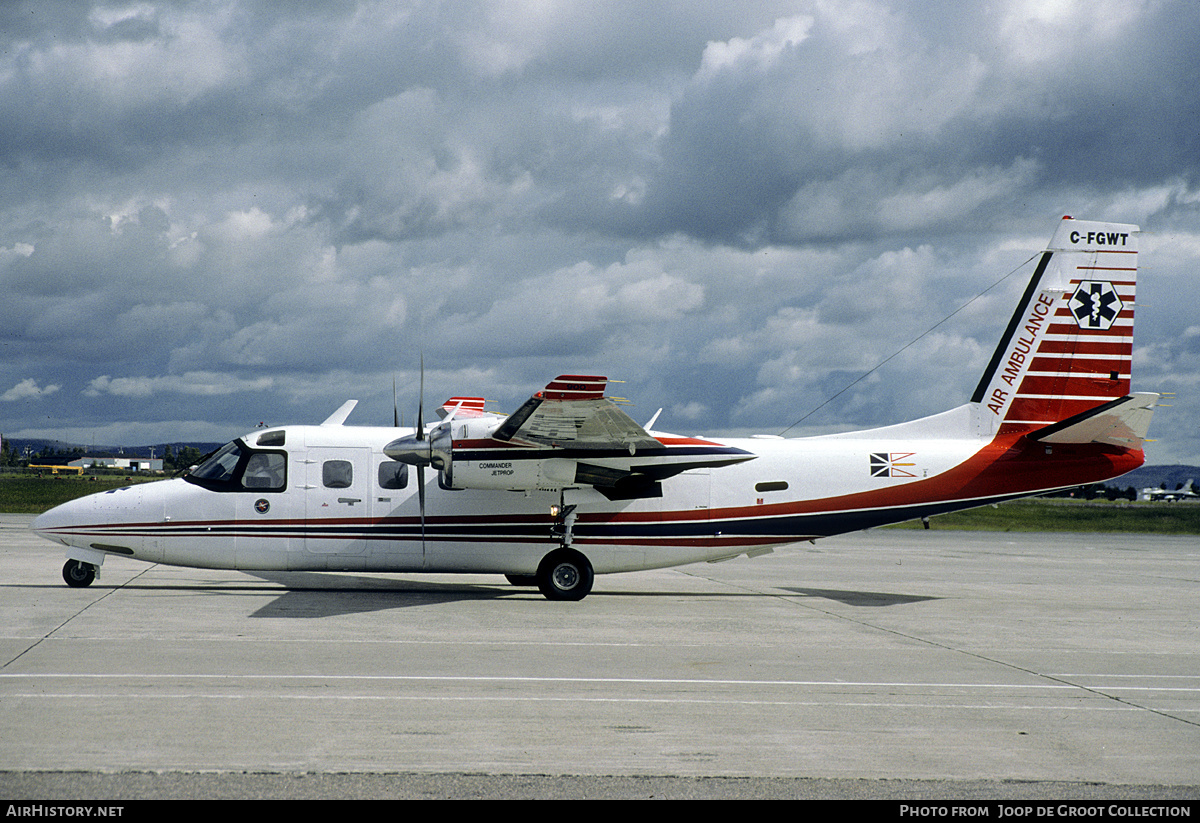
(1008, 466)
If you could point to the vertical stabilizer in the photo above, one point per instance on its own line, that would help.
(1069, 346)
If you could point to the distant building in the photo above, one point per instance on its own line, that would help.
(130, 464)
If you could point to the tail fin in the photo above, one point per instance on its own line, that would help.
(1069, 346)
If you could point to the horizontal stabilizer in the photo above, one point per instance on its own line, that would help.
(1122, 423)
(462, 407)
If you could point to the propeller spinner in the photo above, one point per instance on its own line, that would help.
(419, 450)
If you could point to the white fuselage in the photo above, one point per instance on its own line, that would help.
(334, 511)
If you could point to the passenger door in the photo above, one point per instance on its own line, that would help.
(338, 495)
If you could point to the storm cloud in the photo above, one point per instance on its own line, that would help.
(218, 213)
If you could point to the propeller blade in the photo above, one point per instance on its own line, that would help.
(421, 496)
(416, 448)
(421, 403)
(421, 436)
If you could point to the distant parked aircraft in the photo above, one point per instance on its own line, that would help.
(1187, 492)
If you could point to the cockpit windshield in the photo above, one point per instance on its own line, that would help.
(237, 467)
(220, 465)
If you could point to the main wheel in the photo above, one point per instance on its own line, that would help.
(565, 574)
(78, 574)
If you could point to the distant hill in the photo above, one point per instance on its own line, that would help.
(1153, 477)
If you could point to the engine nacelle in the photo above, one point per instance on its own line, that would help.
(473, 453)
(551, 473)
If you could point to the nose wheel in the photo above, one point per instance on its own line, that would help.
(79, 574)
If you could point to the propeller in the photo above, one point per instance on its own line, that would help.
(418, 450)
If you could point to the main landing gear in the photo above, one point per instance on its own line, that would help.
(564, 574)
(79, 574)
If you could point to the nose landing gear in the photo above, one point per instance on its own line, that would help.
(78, 574)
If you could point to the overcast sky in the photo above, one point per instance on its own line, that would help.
(219, 213)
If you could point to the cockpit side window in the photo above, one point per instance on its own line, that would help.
(265, 471)
(236, 467)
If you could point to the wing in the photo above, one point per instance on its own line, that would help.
(566, 436)
(573, 413)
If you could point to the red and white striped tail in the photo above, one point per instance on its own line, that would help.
(1069, 345)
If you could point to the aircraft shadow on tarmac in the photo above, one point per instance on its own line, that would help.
(311, 595)
(315, 595)
(860, 598)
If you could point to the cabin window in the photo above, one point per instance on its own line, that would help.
(275, 438)
(393, 475)
(337, 474)
(771, 486)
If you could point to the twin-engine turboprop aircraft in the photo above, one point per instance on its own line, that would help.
(569, 486)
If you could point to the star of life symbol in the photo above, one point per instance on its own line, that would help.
(1095, 305)
(893, 464)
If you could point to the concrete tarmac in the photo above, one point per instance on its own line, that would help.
(884, 664)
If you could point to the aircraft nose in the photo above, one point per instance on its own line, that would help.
(48, 524)
(59, 523)
(110, 518)
(41, 524)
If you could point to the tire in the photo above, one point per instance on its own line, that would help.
(565, 574)
(78, 574)
(523, 580)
